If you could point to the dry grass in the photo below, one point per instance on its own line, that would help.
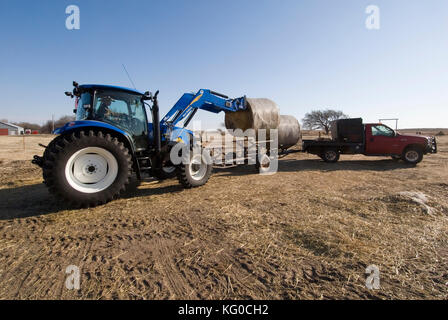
(307, 232)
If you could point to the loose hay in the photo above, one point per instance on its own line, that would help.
(418, 198)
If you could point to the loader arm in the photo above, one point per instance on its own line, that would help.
(204, 99)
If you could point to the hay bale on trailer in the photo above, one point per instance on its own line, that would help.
(264, 114)
(288, 132)
(261, 113)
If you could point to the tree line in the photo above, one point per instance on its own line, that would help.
(47, 127)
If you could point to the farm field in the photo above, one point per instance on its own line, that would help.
(307, 232)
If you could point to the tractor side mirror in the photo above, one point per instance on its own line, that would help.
(69, 94)
(147, 95)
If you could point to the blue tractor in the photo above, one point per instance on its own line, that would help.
(93, 158)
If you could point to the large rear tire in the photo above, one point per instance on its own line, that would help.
(87, 169)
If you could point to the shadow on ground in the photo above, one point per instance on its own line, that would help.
(35, 200)
(294, 165)
(27, 201)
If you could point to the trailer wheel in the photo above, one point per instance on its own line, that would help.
(195, 173)
(412, 155)
(87, 169)
(330, 155)
(263, 164)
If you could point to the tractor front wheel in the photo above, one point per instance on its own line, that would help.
(87, 169)
(195, 173)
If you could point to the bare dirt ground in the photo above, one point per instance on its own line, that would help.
(307, 232)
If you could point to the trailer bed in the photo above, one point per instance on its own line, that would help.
(318, 146)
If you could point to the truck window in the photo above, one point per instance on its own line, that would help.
(381, 130)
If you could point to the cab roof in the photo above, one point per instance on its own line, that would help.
(108, 87)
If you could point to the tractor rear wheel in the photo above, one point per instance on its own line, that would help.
(87, 169)
(195, 173)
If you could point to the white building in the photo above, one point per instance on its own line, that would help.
(12, 129)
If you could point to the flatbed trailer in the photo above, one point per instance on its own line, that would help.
(229, 151)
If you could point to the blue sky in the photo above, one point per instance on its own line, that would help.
(303, 54)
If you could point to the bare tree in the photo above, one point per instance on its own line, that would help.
(48, 126)
(321, 119)
(28, 125)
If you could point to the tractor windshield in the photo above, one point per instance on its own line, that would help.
(123, 110)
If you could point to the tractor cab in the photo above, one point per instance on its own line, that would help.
(120, 107)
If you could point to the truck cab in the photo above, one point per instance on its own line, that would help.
(382, 140)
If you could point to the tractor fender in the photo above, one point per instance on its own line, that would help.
(95, 125)
(123, 136)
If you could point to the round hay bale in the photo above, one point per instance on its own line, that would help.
(261, 113)
(288, 131)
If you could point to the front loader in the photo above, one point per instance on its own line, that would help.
(93, 158)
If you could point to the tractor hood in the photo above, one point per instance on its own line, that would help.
(175, 134)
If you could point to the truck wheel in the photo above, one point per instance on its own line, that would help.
(330, 155)
(195, 173)
(412, 155)
(87, 169)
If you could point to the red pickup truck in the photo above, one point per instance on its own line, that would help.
(351, 136)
